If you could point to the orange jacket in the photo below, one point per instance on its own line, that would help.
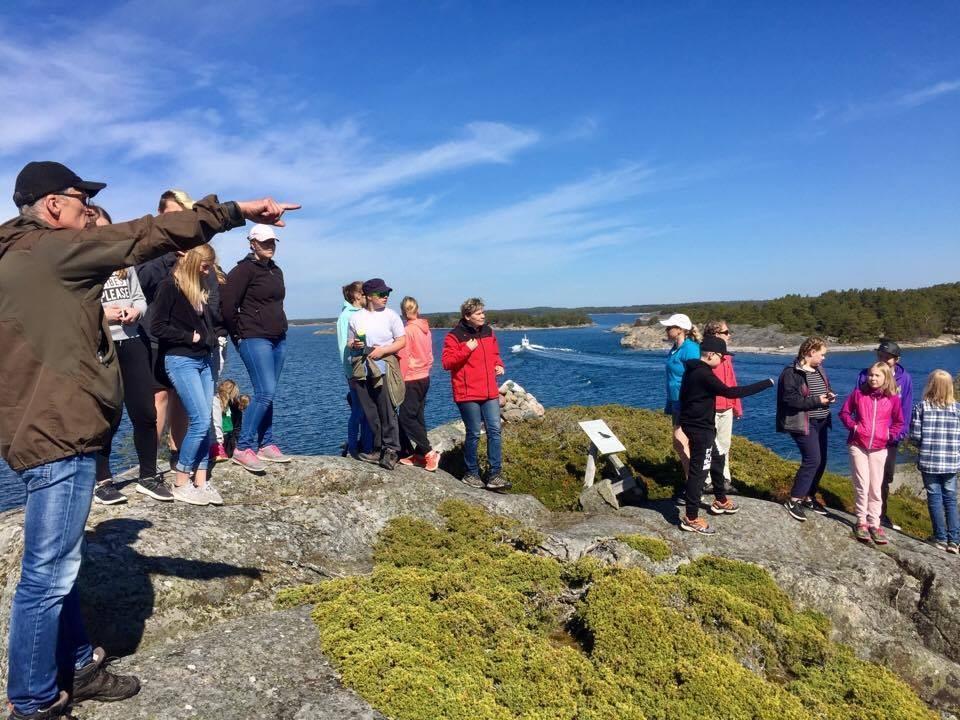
(724, 371)
(416, 358)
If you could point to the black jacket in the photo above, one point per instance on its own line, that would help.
(151, 274)
(794, 401)
(252, 300)
(174, 321)
(698, 394)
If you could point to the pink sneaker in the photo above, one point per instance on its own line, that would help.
(271, 453)
(431, 461)
(248, 460)
(218, 453)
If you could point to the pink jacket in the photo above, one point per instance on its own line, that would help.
(416, 358)
(726, 375)
(872, 418)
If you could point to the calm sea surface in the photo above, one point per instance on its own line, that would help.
(584, 366)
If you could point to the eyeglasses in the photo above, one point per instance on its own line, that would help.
(380, 294)
(84, 200)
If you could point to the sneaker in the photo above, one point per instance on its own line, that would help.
(190, 494)
(953, 548)
(372, 457)
(55, 710)
(107, 494)
(885, 521)
(218, 453)
(795, 508)
(680, 501)
(471, 480)
(248, 460)
(939, 544)
(411, 460)
(879, 536)
(271, 453)
(155, 488)
(211, 494)
(727, 507)
(496, 482)
(94, 682)
(814, 505)
(697, 525)
(431, 461)
(862, 533)
(389, 459)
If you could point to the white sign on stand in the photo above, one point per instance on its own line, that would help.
(602, 437)
(604, 443)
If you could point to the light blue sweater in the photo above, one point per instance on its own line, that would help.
(342, 327)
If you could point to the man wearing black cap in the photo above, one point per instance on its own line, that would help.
(59, 403)
(888, 352)
(698, 404)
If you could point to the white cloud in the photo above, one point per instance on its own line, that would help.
(892, 103)
(928, 94)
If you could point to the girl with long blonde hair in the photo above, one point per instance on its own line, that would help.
(182, 322)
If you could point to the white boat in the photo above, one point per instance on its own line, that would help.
(524, 343)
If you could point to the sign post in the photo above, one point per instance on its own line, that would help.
(603, 443)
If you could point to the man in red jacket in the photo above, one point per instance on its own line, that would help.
(728, 409)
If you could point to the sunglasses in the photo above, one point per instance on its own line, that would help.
(380, 294)
(84, 200)
(723, 332)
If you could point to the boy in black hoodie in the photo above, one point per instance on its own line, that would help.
(698, 404)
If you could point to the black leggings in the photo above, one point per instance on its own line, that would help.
(136, 369)
(413, 427)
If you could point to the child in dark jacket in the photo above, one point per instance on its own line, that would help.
(698, 396)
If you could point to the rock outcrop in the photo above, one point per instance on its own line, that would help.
(189, 591)
(517, 404)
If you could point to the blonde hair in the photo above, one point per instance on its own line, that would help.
(713, 327)
(694, 334)
(187, 275)
(180, 197)
(228, 392)
(470, 306)
(409, 303)
(811, 344)
(939, 389)
(889, 386)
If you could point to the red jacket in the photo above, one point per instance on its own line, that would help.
(472, 374)
(872, 418)
(726, 375)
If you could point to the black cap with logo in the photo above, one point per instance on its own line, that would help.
(45, 177)
(711, 343)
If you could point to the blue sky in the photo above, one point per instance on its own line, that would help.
(534, 153)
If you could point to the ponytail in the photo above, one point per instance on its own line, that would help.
(694, 334)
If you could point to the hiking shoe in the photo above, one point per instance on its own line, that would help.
(411, 460)
(727, 507)
(471, 480)
(210, 493)
(885, 521)
(271, 453)
(190, 494)
(862, 533)
(55, 710)
(389, 459)
(939, 544)
(218, 453)
(431, 461)
(496, 482)
(248, 460)
(107, 494)
(878, 535)
(372, 457)
(814, 505)
(94, 682)
(795, 508)
(953, 548)
(154, 487)
(697, 525)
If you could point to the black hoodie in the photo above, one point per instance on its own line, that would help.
(699, 391)
(252, 300)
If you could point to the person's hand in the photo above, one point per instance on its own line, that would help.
(357, 344)
(129, 316)
(472, 344)
(825, 399)
(498, 370)
(196, 336)
(267, 211)
(113, 314)
(376, 354)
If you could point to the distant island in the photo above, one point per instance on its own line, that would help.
(500, 319)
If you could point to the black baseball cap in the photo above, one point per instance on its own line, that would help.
(711, 343)
(375, 285)
(889, 347)
(44, 177)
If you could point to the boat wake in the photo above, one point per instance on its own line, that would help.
(533, 347)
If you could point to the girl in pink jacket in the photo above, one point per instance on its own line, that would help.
(416, 359)
(872, 414)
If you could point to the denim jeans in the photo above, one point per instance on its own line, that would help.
(359, 434)
(264, 361)
(46, 627)
(942, 504)
(192, 378)
(473, 414)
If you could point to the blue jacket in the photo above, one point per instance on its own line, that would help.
(905, 390)
(676, 359)
(342, 327)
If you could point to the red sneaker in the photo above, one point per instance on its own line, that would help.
(431, 461)
(218, 453)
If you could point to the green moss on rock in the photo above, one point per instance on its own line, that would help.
(654, 548)
(456, 622)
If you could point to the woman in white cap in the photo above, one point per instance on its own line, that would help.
(252, 305)
(686, 346)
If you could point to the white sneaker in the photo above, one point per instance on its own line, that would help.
(190, 494)
(210, 493)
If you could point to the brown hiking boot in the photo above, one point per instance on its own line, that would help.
(94, 682)
(56, 710)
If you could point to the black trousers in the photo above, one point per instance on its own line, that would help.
(413, 426)
(136, 370)
(813, 458)
(380, 414)
(889, 468)
(704, 458)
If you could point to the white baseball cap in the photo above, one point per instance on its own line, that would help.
(677, 320)
(262, 233)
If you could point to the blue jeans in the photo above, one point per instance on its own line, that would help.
(359, 434)
(473, 414)
(942, 504)
(264, 361)
(46, 627)
(192, 378)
